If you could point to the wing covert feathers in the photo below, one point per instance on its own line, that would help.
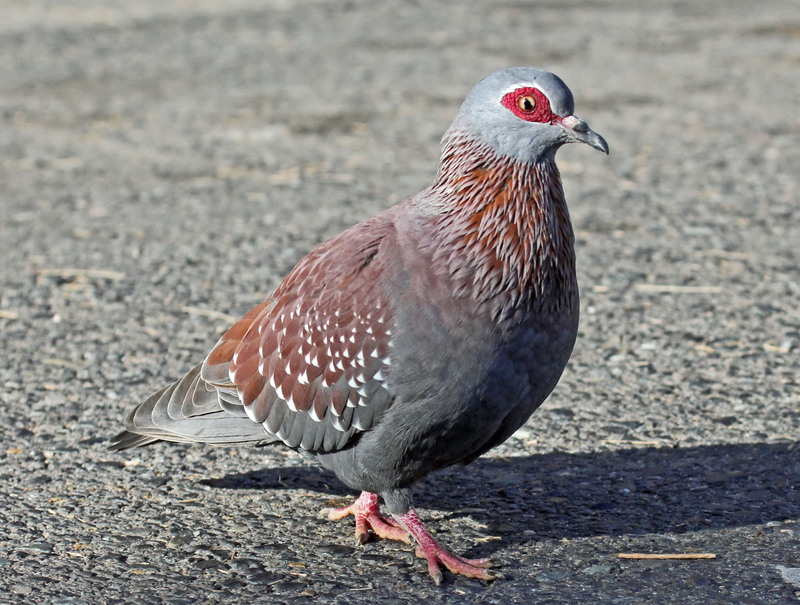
(307, 366)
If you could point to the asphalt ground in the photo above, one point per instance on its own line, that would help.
(163, 164)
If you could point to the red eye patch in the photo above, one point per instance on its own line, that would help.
(529, 104)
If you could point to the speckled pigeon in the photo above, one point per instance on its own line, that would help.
(418, 339)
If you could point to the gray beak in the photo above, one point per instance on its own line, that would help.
(578, 131)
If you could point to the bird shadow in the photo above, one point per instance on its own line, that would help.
(559, 495)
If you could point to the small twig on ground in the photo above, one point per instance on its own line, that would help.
(681, 555)
(676, 289)
(81, 273)
(635, 442)
(209, 313)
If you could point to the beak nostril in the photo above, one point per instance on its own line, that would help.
(575, 123)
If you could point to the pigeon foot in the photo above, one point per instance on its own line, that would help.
(368, 517)
(435, 554)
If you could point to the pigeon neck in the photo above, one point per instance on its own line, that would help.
(508, 240)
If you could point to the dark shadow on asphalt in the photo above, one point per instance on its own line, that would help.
(561, 495)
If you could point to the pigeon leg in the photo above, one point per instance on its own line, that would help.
(365, 510)
(435, 554)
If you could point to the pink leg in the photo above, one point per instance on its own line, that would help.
(435, 554)
(365, 510)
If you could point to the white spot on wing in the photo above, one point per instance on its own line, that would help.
(287, 398)
(312, 413)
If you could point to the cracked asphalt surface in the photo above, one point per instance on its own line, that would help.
(163, 164)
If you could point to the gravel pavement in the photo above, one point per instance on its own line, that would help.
(163, 164)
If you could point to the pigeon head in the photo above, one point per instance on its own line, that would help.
(525, 114)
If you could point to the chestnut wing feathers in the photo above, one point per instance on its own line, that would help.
(309, 364)
(306, 367)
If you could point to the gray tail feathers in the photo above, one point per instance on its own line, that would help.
(190, 410)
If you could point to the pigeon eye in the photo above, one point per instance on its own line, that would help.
(526, 103)
(529, 104)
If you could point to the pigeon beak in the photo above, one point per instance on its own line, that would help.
(578, 131)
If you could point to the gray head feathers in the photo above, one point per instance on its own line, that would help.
(484, 117)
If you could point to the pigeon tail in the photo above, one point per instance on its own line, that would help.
(189, 410)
